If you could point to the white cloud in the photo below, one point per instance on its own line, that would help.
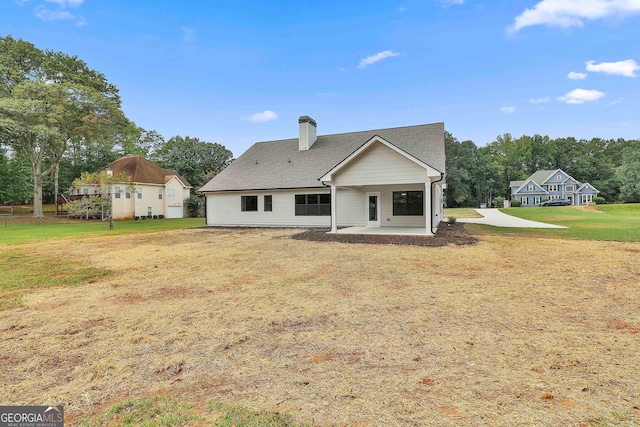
(625, 68)
(53, 15)
(576, 76)
(65, 3)
(264, 116)
(571, 13)
(539, 100)
(450, 2)
(580, 96)
(508, 110)
(377, 57)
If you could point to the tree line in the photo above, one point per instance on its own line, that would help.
(477, 175)
(60, 118)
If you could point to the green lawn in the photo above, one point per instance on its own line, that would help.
(17, 232)
(604, 222)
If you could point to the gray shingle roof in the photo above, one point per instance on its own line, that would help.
(541, 176)
(279, 164)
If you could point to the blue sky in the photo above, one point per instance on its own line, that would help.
(240, 72)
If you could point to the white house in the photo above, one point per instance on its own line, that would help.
(150, 189)
(378, 178)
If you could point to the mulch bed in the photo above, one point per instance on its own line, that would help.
(447, 234)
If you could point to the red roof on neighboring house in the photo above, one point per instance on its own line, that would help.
(140, 170)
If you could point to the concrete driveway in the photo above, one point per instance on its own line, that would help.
(498, 219)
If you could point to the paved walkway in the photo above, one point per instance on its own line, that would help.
(498, 219)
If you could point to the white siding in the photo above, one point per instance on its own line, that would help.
(380, 165)
(386, 214)
(224, 209)
(351, 207)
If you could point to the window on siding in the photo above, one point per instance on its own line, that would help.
(149, 212)
(249, 203)
(530, 187)
(85, 191)
(159, 193)
(553, 187)
(139, 192)
(524, 200)
(559, 177)
(171, 192)
(127, 192)
(268, 203)
(117, 192)
(536, 200)
(408, 203)
(569, 188)
(586, 198)
(313, 204)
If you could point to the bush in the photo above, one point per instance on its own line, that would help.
(149, 216)
(516, 203)
(599, 200)
(155, 217)
(498, 202)
(195, 206)
(160, 216)
(452, 220)
(136, 218)
(143, 217)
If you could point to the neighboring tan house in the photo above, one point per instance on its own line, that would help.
(549, 185)
(151, 190)
(377, 178)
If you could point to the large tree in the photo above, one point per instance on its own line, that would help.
(628, 173)
(48, 100)
(198, 161)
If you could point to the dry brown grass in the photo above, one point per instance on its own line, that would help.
(506, 332)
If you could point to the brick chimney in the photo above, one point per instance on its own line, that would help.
(307, 132)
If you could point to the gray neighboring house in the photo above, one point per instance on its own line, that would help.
(549, 185)
(377, 178)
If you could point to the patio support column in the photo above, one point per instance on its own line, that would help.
(334, 210)
(428, 215)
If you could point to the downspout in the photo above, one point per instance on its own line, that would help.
(432, 207)
(206, 220)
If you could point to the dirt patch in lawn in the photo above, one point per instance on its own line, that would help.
(503, 332)
(447, 234)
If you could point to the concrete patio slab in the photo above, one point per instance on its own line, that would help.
(398, 231)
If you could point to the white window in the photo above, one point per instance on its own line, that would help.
(553, 187)
(127, 192)
(117, 192)
(171, 192)
(586, 198)
(85, 191)
(523, 200)
(559, 177)
(159, 193)
(569, 188)
(139, 192)
(536, 200)
(530, 187)
(149, 212)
